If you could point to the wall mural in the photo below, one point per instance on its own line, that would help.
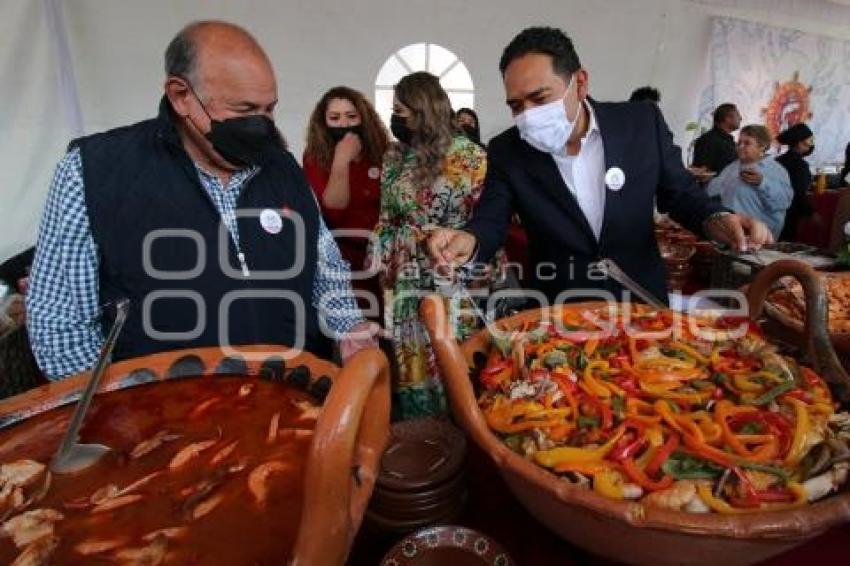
(779, 77)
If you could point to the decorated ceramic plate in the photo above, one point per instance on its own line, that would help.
(447, 545)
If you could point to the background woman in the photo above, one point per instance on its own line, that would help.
(801, 143)
(467, 120)
(432, 177)
(754, 184)
(345, 144)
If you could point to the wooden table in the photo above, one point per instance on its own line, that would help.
(492, 509)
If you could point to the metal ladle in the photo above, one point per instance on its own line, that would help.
(73, 456)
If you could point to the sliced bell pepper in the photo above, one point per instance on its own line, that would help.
(801, 430)
(496, 374)
(629, 449)
(770, 445)
(608, 483)
(553, 457)
(720, 506)
(662, 454)
(586, 468)
(773, 393)
(639, 477)
(603, 411)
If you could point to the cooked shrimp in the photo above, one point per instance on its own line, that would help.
(674, 497)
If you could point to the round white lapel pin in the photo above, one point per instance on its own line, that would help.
(373, 172)
(615, 178)
(270, 221)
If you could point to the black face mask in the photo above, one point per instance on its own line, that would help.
(809, 151)
(470, 131)
(245, 140)
(338, 132)
(399, 128)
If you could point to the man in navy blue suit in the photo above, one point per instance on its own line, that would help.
(583, 177)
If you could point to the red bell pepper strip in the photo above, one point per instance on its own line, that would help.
(639, 477)
(810, 377)
(627, 449)
(603, 411)
(494, 375)
(662, 454)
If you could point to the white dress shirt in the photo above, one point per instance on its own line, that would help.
(584, 173)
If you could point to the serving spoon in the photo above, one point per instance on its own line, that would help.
(73, 456)
(610, 268)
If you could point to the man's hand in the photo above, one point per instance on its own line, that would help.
(751, 177)
(362, 336)
(739, 232)
(451, 247)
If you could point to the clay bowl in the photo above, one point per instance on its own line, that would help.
(632, 532)
(345, 452)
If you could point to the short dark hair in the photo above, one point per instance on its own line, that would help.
(724, 110)
(645, 93)
(546, 41)
(181, 55)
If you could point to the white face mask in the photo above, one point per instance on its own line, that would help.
(546, 127)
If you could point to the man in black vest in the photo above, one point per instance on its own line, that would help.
(199, 216)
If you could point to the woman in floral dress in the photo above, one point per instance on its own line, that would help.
(432, 177)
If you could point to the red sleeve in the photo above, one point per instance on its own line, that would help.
(316, 176)
(318, 179)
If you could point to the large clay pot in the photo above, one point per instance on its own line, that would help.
(346, 447)
(628, 531)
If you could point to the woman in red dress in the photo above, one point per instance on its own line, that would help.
(346, 141)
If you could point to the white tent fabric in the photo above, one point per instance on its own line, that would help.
(113, 55)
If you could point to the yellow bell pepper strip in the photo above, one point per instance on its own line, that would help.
(642, 411)
(720, 506)
(746, 382)
(801, 430)
(680, 423)
(664, 391)
(666, 362)
(608, 483)
(639, 477)
(553, 457)
(593, 385)
(590, 347)
(692, 352)
(586, 468)
(711, 432)
(655, 373)
(722, 412)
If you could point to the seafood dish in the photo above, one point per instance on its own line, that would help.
(200, 471)
(692, 413)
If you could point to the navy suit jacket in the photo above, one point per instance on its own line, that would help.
(561, 244)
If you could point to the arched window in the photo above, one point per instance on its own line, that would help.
(437, 60)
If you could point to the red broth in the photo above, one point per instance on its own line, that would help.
(223, 503)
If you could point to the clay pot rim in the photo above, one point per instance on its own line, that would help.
(804, 521)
